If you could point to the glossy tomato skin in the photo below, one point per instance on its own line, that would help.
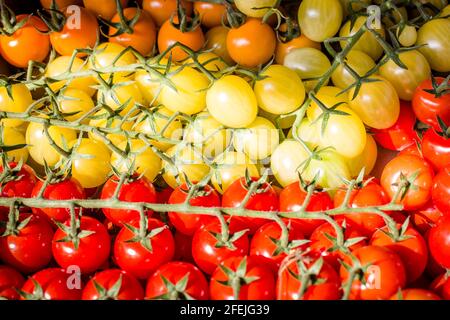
(162, 10)
(30, 249)
(321, 245)
(251, 44)
(262, 244)
(326, 288)
(386, 276)
(133, 257)
(16, 49)
(441, 191)
(412, 251)
(189, 223)
(103, 8)
(407, 165)
(428, 107)
(207, 255)
(175, 271)
(426, 217)
(439, 241)
(265, 199)
(53, 282)
(64, 190)
(130, 288)
(22, 187)
(92, 252)
(10, 281)
(292, 198)
(370, 194)
(401, 135)
(143, 37)
(441, 285)
(83, 35)
(261, 289)
(436, 148)
(140, 190)
(415, 294)
(211, 14)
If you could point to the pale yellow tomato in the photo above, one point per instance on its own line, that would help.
(18, 102)
(366, 159)
(13, 137)
(187, 160)
(230, 166)
(123, 95)
(207, 134)
(75, 103)
(434, 38)
(405, 81)
(408, 36)
(308, 63)
(40, 147)
(258, 140)
(367, 43)
(60, 65)
(149, 85)
(157, 120)
(309, 132)
(280, 91)
(100, 120)
(90, 166)
(283, 121)
(109, 55)
(189, 93)
(141, 159)
(360, 62)
(377, 103)
(232, 102)
(254, 8)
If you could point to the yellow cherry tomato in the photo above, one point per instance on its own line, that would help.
(408, 36)
(210, 61)
(366, 159)
(435, 41)
(18, 102)
(124, 95)
(75, 102)
(13, 137)
(282, 121)
(149, 85)
(359, 61)
(100, 120)
(254, 8)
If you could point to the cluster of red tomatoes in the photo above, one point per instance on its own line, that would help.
(119, 178)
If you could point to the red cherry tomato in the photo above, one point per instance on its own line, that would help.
(138, 190)
(441, 191)
(441, 285)
(183, 247)
(102, 282)
(439, 242)
(10, 282)
(189, 223)
(425, 217)
(162, 284)
(436, 148)
(242, 278)
(415, 294)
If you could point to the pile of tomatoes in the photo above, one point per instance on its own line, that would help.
(246, 149)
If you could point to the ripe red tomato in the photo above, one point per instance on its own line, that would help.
(439, 242)
(411, 248)
(113, 284)
(27, 43)
(177, 280)
(79, 34)
(64, 190)
(441, 190)
(383, 277)
(264, 198)
(401, 135)
(415, 294)
(401, 170)
(163, 195)
(242, 278)
(189, 223)
(17, 184)
(10, 282)
(292, 198)
(137, 190)
(143, 35)
(27, 247)
(141, 251)
(50, 284)
(88, 248)
(251, 44)
(441, 285)
(436, 148)
(183, 247)
(368, 194)
(209, 250)
(425, 217)
(323, 280)
(321, 244)
(428, 107)
(266, 245)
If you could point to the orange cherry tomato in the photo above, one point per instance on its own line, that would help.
(251, 44)
(283, 48)
(27, 43)
(211, 14)
(143, 36)
(104, 8)
(216, 40)
(162, 10)
(169, 35)
(75, 34)
(61, 4)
